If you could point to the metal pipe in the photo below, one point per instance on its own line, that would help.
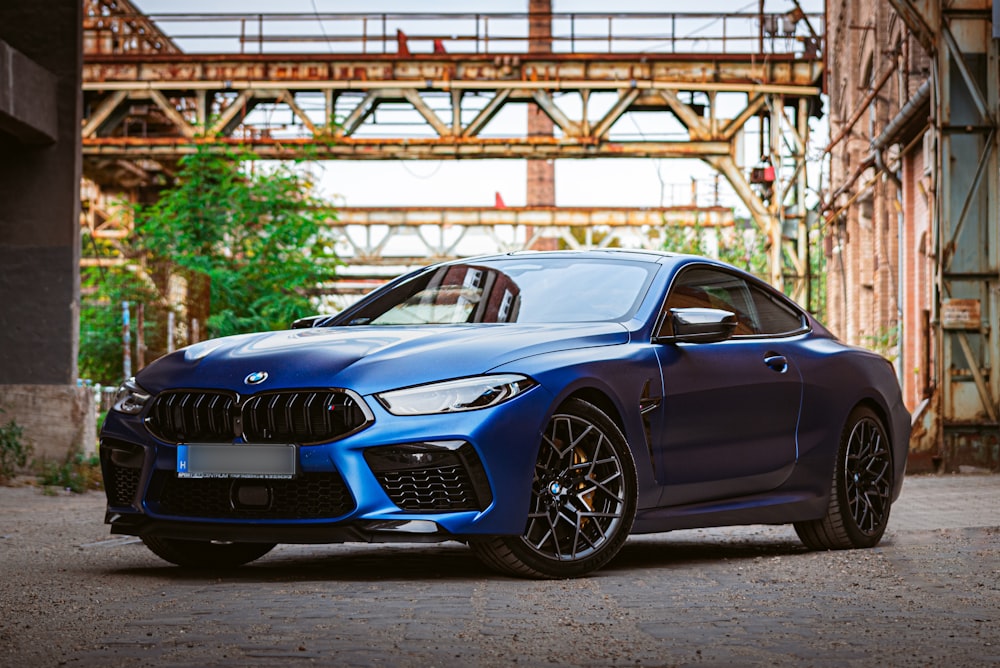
(900, 259)
(905, 116)
(862, 106)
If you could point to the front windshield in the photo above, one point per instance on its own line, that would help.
(526, 290)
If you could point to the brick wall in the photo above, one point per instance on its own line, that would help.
(879, 271)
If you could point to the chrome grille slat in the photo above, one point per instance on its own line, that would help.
(270, 415)
(210, 416)
(216, 415)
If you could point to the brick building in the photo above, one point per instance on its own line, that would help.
(912, 213)
(877, 239)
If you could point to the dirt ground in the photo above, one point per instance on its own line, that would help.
(929, 595)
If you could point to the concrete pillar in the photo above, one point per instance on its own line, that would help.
(40, 75)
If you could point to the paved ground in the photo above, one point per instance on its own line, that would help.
(929, 595)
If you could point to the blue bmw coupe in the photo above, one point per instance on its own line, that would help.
(539, 407)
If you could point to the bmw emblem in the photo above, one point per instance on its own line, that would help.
(256, 378)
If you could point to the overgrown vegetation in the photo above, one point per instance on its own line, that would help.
(743, 247)
(101, 319)
(77, 474)
(885, 342)
(234, 246)
(246, 239)
(746, 248)
(14, 451)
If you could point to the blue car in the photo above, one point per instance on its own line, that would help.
(539, 407)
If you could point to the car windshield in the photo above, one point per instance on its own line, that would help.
(525, 290)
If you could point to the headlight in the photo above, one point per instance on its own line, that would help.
(451, 396)
(130, 398)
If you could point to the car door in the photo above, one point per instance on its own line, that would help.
(731, 408)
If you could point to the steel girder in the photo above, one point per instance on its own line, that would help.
(446, 232)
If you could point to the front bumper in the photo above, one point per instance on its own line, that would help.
(482, 487)
(398, 531)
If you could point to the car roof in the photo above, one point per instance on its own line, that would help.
(634, 254)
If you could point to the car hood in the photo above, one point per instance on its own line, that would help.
(366, 359)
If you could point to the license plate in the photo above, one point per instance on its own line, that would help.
(236, 461)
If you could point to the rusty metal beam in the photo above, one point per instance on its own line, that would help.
(169, 148)
(487, 34)
(803, 80)
(119, 27)
(563, 216)
(402, 236)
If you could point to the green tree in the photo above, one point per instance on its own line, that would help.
(101, 320)
(246, 237)
(742, 247)
(746, 248)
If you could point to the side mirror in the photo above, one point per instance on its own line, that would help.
(697, 325)
(308, 321)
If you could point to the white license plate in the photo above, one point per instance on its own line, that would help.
(236, 461)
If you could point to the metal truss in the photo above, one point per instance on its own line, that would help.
(143, 111)
(366, 236)
(405, 236)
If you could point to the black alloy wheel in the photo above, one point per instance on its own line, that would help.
(583, 500)
(861, 493)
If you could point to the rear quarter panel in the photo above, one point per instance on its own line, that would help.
(836, 378)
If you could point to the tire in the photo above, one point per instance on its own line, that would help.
(204, 553)
(583, 500)
(861, 492)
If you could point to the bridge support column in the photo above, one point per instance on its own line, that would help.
(41, 57)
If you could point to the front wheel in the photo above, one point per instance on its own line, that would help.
(583, 500)
(205, 553)
(861, 491)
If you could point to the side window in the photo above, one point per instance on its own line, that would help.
(774, 315)
(709, 288)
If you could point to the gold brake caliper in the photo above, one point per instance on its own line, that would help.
(579, 457)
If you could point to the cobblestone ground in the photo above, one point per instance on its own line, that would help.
(929, 595)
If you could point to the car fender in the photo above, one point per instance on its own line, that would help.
(622, 375)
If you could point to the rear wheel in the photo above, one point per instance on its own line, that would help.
(205, 553)
(583, 499)
(861, 492)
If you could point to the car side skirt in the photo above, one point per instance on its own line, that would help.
(764, 509)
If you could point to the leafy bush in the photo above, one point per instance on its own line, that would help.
(14, 452)
(246, 238)
(232, 246)
(77, 474)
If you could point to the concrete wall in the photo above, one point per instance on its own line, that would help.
(57, 419)
(41, 53)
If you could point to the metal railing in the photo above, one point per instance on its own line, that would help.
(415, 34)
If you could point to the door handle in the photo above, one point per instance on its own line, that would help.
(776, 362)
